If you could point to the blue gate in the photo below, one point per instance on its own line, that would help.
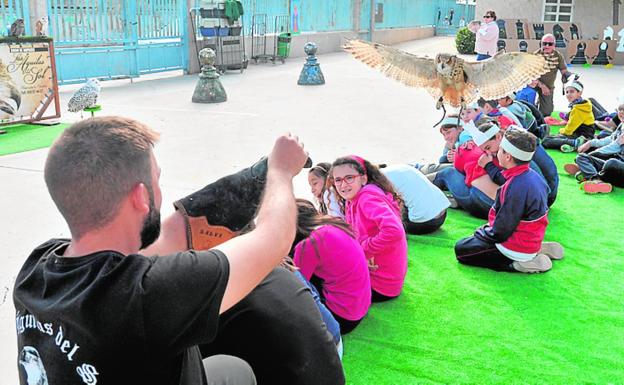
(449, 14)
(109, 39)
(11, 10)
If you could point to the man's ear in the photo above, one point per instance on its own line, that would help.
(139, 197)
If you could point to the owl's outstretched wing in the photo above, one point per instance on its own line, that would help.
(412, 70)
(505, 73)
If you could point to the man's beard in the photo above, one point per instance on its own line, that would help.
(151, 224)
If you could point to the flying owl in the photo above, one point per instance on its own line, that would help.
(17, 28)
(10, 96)
(450, 79)
(41, 26)
(85, 97)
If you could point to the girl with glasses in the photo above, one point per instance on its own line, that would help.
(373, 210)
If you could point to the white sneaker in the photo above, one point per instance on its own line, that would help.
(553, 250)
(540, 264)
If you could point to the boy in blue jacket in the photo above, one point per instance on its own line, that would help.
(512, 239)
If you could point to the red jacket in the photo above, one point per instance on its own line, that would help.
(466, 161)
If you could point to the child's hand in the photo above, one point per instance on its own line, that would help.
(545, 90)
(584, 147)
(371, 265)
(620, 140)
(485, 159)
(450, 155)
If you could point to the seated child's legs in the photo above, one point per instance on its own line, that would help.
(451, 180)
(475, 252)
(470, 199)
(557, 141)
(613, 172)
(589, 165)
(478, 204)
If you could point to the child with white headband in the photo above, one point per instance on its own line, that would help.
(580, 126)
(512, 239)
(489, 138)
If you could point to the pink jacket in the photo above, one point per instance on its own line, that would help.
(336, 258)
(487, 38)
(376, 220)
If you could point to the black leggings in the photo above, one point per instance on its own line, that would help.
(346, 326)
(377, 297)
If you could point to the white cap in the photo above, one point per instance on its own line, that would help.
(473, 106)
(574, 84)
(481, 137)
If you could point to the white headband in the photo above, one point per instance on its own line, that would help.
(481, 137)
(449, 121)
(470, 127)
(515, 151)
(576, 85)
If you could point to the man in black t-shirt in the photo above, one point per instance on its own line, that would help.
(92, 309)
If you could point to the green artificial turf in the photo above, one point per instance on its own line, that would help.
(459, 324)
(27, 137)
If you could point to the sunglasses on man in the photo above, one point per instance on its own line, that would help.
(547, 43)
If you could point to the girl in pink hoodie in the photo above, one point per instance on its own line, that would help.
(329, 256)
(373, 210)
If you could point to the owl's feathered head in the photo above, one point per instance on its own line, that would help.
(93, 82)
(19, 22)
(445, 63)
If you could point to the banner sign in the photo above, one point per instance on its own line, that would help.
(27, 79)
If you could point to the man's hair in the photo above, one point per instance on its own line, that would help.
(93, 165)
(523, 140)
(548, 36)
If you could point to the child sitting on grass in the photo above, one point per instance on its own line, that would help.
(580, 126)
(373, 210)
(489, 139)
(326, 197)
(599, 169)
(512, 239)
(329, 256)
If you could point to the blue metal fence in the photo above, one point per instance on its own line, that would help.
(11, 10)
(111, 39)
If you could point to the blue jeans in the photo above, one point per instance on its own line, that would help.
(481, 56)
(549, 172)
(470, 199)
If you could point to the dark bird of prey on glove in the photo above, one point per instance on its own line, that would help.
(450, 79)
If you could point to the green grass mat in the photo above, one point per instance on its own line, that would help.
(27, 137)
(456, 324)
